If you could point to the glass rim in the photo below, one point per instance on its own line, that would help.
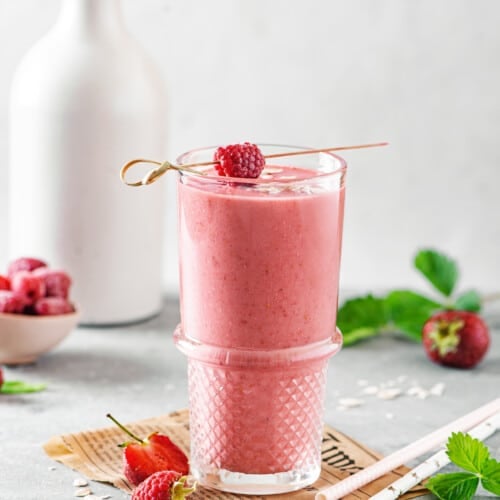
(244, 180)
(261, 358)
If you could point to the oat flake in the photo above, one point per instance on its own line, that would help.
(82, 492)
(350, 402)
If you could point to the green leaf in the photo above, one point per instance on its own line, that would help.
(361, 318)
(467, 452)
(18, 387)
(468, 301)
(409, 311)
(439, 269)
(491, 476)
(453, 486)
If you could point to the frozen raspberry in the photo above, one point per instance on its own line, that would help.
(50, 306)
(11, 302)
(4, 283)
(28, 285)
(239, 160)
(56, 282)
(24, 264)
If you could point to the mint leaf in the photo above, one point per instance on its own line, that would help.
(409, 311)
(491, 476)
(18, 387)
(439, 269)
(467, 452)
(361, 318)
(468, 301)
(453, 486)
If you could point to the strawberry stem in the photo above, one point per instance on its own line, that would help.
(180, 490)
(124, 429)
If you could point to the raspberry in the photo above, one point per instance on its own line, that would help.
(163, 485)
(57, 283)
(50, 306)
(28, 285)
(11, 302)
(24, 264)
(239, 160)
(4, 283)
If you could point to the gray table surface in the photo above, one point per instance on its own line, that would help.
(135, 372)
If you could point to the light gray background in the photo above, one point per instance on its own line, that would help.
(424, 75)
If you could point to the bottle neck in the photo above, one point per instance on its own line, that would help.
(91, 17)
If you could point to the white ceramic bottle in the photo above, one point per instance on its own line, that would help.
(86, 99)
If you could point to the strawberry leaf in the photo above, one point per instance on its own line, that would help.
(361, 318)
(467, 452)
(439, 269)
(18, 387)
(491, 476)
(453, 486)
(408, 311)
(468, 301)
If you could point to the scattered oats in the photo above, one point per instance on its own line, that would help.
(423, 394)
(82, 492)
(389, 416)
(390, 393)
(418, 392)
(371, 389)
(79, 481)
(402, 378)
(52, 468)
(362, 382)
(414, 390)
(350, 402)
(105, 497)
(437, 389)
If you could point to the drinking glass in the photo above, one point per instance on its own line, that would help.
(259, 269)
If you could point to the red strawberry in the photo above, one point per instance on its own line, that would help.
(456, 338)
(239, 160)
(154, 454)
(163, 485)
(4, 283)
(1, 378)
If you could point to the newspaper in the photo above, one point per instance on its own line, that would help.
(95, 454)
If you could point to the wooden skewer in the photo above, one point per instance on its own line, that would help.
(157, 172)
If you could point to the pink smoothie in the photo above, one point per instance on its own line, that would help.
(259, 271)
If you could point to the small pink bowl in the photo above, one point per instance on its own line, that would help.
(24, 338)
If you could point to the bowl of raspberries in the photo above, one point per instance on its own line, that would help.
(36, 313)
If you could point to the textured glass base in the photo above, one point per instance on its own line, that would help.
(257, 484)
